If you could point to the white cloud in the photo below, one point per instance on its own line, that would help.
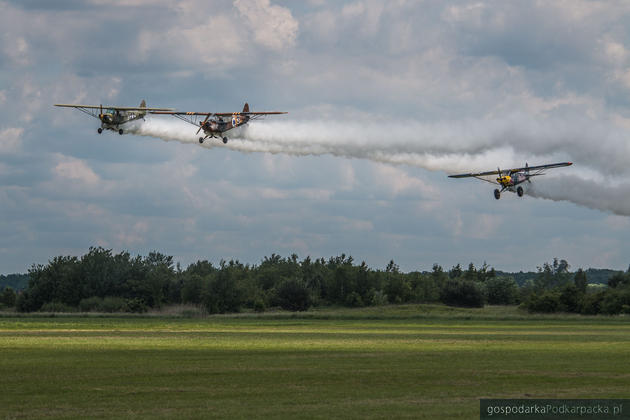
(273, 26)
(11, 140)
(75, 170)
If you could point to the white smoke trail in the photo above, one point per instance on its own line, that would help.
(585, 192)
(451, 147)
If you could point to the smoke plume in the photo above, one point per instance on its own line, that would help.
(600, 153)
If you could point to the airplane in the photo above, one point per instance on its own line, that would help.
(114, 116)
(511, 178)
(215, 123)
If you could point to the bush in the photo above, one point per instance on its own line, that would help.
(25, 302)
(259, 305)
(8, 297)
(591, 303)
(614, 301)
(135, 305)
(57, 307)
(462, 293)
(354, 300)
(571, 297)
(546, 302)
(379, 298)
(293, 295)
(501, 291)
(114, 304)
(90, 304)
(397, 289)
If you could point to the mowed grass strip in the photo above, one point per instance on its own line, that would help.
(304, 368)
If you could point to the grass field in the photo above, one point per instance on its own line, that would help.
(399, 362)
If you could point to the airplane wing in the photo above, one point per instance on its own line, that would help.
(536, 169)
(250, 114)
(195, 118)
(118, 108)
(218, 114)
(540, 167)
(475, 175)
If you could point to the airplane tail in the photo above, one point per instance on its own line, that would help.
(143, 104)
(246, 107)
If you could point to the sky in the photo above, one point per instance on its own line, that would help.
(384, 100)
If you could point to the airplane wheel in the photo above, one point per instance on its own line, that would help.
(200, 140)
(497, 194)
(224, 140)
(519, 191)
(100, 130)
(120, 131)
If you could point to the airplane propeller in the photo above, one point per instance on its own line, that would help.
(101, 114)
(203, 123)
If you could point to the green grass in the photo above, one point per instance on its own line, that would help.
(398, 362)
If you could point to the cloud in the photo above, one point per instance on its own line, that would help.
(75, 170)
(383, 102)
(273, 26)
(11, 140)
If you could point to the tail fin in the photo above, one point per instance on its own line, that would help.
(143, 104)
(246, 107)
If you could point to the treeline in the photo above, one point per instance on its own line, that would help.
(103, 281)
(555, 289)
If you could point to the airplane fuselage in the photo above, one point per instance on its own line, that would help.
(507, 181)
(219, 126)
(112, 119)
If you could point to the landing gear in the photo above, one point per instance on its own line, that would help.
(100, 130)
(120, 131)
(519, 191)
(497, 194)
(200, 140)
(224, 140)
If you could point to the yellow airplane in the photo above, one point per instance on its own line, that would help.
(511, 178)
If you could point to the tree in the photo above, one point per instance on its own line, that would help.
(471, 273)
(223, 292)
(457, 292)
(293, 295)
(547, 302)
(580, 280)
(455, 272)
(192, 288)
(619, 280)
(501, 291)
(8, 297)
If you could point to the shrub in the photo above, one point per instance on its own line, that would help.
(135, 305)
(546, 302)
(379, 298)
(114, 304)
(614, 301)
(354, 300)
(25, 302)
(259, 305)
(591, 303)
(501, 291)
(90, 304)
(8, 297)
(56, 307)
(293, 295)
